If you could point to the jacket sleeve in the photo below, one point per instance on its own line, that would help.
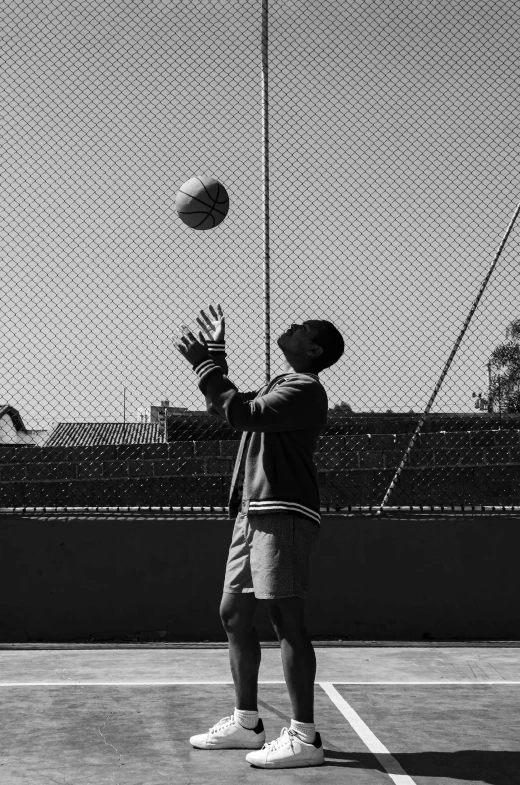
(217, 352)
(297, 404)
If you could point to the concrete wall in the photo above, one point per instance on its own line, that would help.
(159, 577)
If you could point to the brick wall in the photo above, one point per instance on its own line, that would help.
(473, 466)
(198, 426)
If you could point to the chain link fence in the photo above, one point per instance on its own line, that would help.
(394, 159)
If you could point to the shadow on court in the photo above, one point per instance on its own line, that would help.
(498, 767)
(490, 767)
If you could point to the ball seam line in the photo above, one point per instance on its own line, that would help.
(200, 181)
(201, 202)
(209, 195)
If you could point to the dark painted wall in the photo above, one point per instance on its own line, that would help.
(158, 577)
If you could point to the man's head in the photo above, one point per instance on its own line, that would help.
(312, 345)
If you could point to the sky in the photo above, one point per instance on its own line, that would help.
(394, 160)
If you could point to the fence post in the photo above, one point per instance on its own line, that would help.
(265, 159)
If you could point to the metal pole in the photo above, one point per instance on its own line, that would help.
(490, 406)
(265, 143)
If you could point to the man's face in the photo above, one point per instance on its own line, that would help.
(298, 339)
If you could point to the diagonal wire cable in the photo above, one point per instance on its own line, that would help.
(449, 361)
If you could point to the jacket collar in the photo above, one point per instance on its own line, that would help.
(283, 376)
(296, 373)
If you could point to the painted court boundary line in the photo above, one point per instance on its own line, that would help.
(369, 739)
(387, 761)
(71, 682)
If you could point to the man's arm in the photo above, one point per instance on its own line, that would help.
(215, 329)
(217, 352)
(297, 404)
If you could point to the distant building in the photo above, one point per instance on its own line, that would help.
(87, 434)
(13, 431)
(160, 414)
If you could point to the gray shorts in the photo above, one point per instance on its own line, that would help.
(269, 555)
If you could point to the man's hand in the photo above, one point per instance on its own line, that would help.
(214, 328)
(194, 351)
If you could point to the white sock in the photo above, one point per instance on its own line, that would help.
(305, 730)
(248, 719)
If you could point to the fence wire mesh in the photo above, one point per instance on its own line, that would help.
(393, 151)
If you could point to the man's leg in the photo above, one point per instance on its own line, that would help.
(236, 613)
(298, 657)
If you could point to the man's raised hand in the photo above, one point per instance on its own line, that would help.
(214, 328)
(194, 351)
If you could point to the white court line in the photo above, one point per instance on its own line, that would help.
(71, 682)
(420, 683)
(68, 682)
(385, 758)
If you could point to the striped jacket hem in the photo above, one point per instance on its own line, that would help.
(278, 505)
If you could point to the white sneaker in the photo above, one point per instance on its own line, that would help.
(229, 735)
(288, 751)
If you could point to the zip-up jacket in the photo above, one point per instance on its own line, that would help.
(281, 423)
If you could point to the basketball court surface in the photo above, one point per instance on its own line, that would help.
(118, 714)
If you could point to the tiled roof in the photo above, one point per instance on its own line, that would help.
(85, 434)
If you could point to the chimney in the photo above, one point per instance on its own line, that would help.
(165, 403)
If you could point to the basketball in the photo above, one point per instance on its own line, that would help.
(202, 202)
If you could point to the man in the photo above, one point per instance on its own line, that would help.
(275, 498)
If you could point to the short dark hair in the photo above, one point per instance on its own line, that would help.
(332, 343)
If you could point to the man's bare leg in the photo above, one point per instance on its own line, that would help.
(298, 657)
(236, 613)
